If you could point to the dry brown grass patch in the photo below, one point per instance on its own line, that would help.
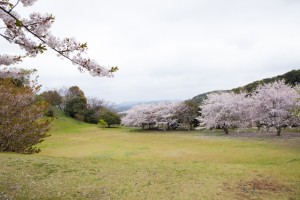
(259, 188)
(265, 184)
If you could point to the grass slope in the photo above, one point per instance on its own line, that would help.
(81, 161)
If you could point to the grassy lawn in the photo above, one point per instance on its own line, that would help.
(81, 161)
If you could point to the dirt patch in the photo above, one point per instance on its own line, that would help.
(265, 184)
(258, 188)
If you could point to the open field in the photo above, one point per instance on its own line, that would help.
(81, 161)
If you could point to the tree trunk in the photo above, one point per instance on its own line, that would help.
(191, 126)
(278, 130)
(225, 130)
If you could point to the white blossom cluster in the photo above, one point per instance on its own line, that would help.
(163, 114)
(9, 60)
(225, 110)
(33, 35)
(270, 105)
(15, 73)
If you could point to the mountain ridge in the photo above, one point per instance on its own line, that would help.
(292, 77)
(124, 106)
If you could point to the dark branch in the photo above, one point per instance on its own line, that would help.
(5, 37)
(14, 6)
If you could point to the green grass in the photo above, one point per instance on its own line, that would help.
(81, 161)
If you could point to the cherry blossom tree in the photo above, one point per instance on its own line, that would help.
(33, 35)
(165, 114)
(139, 116)
(271, 105)
(21, 117)
(22, 76)
(297, 109)
(225, 110)
(274, 105)
(162, 115)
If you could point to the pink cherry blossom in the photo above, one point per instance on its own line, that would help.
(225, 110)
(33, 35)
(274, 104)
(161, 115)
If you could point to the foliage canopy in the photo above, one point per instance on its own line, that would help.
(22, 124)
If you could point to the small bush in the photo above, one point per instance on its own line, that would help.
(102, 123)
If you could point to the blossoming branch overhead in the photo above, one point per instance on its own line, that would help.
(33, 35)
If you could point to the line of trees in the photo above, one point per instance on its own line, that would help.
(75, 104)
(270, 105)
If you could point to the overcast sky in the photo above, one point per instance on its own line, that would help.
(171, 49)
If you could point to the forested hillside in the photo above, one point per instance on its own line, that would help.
(291, 77)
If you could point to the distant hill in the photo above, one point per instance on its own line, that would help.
(121, 107)
(201, 97)
(291, 77)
